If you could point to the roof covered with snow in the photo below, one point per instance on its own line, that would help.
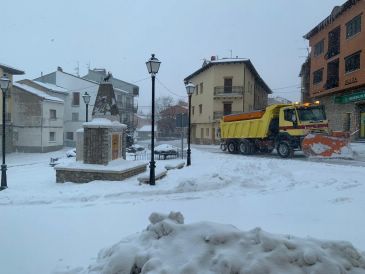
(37, 92)
(11, 70)
(245, 61)
(52, 87)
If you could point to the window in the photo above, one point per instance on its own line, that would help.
(332, 74)
(202, 133)
(192, 110)
(333, 42)
(207, 132)
(75, 116)
(69, 136)
(201, 88)
(318, 76)
(52, 114)
(353, 27)
(76, 98)
(200, 109)
(319, 48)
(289, 115)
(52, 136)
(227, 108)
(352, 62)
(196, 89)
(228, 85)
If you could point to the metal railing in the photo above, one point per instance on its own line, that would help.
(146, 156)
(228, 90)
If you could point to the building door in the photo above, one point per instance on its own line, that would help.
(227, 108)
(227, 85)
(115, 146)
(362, 125)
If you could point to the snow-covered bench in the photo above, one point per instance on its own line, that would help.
(145, 178)
(175, 166)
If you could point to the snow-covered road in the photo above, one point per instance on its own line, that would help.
(48, 226)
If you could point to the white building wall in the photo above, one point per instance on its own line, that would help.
(75, 84)
(52, 125)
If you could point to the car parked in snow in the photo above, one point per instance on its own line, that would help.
(135, 148)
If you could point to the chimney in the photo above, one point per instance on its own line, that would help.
(59, 69)
(212, 58)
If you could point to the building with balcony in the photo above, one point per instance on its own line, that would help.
(9, 72)
(223, 86)
(337, 67)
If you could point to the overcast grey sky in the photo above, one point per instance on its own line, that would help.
(39, 35)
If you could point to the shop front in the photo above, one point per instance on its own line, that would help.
(357, 100)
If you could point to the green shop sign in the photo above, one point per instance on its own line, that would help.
(347, 98)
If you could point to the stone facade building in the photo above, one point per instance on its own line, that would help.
(9, 72)
(37, 121)
(337, 67)
(223, 86)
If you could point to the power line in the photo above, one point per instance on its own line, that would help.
(291, 86)
(140, 80)
(162, 84)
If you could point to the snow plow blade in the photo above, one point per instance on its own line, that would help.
(335, 145)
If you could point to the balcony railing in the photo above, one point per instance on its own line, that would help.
(228, 90)
(219, 114)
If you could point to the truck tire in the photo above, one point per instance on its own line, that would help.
(231, 146)
(244, 147)
(284, 150)
(223, 146)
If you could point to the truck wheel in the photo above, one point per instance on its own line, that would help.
(284, 149)
(232, 147)
(223, 147)
(244, 147)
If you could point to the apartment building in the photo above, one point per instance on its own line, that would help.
(223, 86)
(9, 72)
(38, 118)
(337, 66)
(75, 108)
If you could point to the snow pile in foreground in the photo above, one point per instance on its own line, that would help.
(170, 246)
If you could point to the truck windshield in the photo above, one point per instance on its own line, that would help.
(311, 113)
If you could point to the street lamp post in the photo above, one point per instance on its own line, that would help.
(189, 90)
(4, 83)
(153, 65)
(86, 98)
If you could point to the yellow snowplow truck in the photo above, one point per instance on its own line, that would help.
(284, 127)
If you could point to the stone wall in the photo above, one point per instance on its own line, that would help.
(85, 176)
(96, 146)
(337, 114)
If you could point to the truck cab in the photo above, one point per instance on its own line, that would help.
(295, 122)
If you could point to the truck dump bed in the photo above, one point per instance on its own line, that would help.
(243, 116)
(249, 125)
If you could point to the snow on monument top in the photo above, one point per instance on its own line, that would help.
(103, 123)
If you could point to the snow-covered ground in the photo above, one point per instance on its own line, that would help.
(48, 227)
